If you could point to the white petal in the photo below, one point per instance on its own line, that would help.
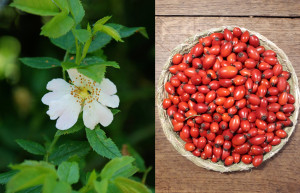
(69, 116)
(52, 96)
(107, 100)
(94, 113)
(78, 79)
(107, 86)
(58, 84)
(67, 109)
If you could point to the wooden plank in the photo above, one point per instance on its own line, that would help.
(175, 173)
(285, 8)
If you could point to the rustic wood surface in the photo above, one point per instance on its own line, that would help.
(175, 173)
(272, 8)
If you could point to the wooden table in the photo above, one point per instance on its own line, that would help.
(176, 20)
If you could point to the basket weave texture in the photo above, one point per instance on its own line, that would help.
(167, 126)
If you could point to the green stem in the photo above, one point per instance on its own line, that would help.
(51, 146)
(78, 49)
(85, 188)
(145, 174)
(65, 59)
(64, 74)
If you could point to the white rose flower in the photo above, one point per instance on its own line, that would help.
(66, 101)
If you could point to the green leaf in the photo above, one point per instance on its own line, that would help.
(101, 187)
(91, 61)
(52, 186)
(92, 177)
(109, 31)
(58, 25)
(62, 4)
(34, 189)
(127, 185)
(99, 41)
(92, 67)
(118, 167)
(101, 144)
(31, 146)
(27, 178)
(5, 177)
(37, 7)
(41, 165)
(68, 150)
(77, 127)
(41, 62)
(68, 172)
(66, 42)
(103, 20)
(112, 188)
(95, 72)
(62, 187)
(82, 35)
(100, 54)
(77, 10)
(139, 162)
(90, 182)
(128, 31)
(115, 111)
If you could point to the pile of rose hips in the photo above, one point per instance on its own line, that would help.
(229, 98)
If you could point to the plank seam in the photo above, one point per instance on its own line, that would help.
(244, 16)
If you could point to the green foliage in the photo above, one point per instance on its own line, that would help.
(77, 10)
(139, 162)
(62, 4)
(5, 177)
(101, 144)
(53, 186)
(31, 147)
(92, 67)
(96, 73)
(66, 42)
(68, 172)
(128, 31)
(103, 20)
(127, 185)
(41, 62)
(42, 165)
(77, 127)
(82, 35)
(100, 39)
(118, 167)
(37, 7)
(34, 189)
(101, 187)
(90, 61)
(59, 25)
(31, 174)
(115, 111)
(109, 31)
(68, 150)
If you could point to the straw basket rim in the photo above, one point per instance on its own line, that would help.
(166, 124)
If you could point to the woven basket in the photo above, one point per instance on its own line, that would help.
(167, 126)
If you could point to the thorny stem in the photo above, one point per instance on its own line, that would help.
(50, 148)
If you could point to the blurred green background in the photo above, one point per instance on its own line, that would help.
(22, 114)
